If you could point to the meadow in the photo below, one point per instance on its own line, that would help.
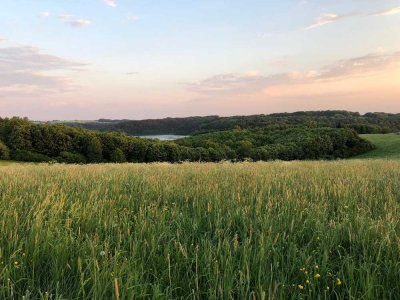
(387, 146)
(266, 230)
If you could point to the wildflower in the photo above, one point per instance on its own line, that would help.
(338, 281)
(316, 266)
(16, 263)
(300, 287)
(102, 253)
(327, 288)
(317, 276)
(307, 281)
(235, 241)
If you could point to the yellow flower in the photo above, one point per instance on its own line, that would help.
(300, 287)
(317, 275)
(338, 281)
(316, 266)
(307, 281)
(15, 263)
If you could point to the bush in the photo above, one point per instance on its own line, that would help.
(94, 150)
(4, 152)
(118, 156)
(28, 156)
(71, 158)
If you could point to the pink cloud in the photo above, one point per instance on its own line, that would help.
(388, 12)
(234, 83)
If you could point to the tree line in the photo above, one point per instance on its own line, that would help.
(23, 140)
(367, 123)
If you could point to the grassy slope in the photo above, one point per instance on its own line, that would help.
(388, 146)
(201, 231)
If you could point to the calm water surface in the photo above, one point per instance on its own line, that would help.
(166, 137)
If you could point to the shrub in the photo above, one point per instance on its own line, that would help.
(118, 156)
(94, 150)
(23, 155)
(71, 158)
(4, 152)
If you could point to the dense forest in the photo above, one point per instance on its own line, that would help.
(285, 144)
(367, 123)
(23, 140)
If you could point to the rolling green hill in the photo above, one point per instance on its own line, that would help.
(388, 146)
(367, 123)
(22, 140)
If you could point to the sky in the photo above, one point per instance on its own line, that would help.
(139, 59)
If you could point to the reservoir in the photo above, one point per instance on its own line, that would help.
(163, 137)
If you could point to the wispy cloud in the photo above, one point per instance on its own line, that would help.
(388, 12)
(234, 83)
(74, 22)
(326, 19)
(45, 14)
(329, 18)
(24, 69)
(78, 23)
(112, 3)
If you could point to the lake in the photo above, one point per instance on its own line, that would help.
(164, 137)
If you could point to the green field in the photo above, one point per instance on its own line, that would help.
(279, 230)
(388, 146)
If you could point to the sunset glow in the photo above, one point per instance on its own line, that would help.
(147, 59)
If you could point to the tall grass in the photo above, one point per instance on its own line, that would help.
(320, 230)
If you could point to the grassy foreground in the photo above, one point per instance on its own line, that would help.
(327, 230)
(387, 146)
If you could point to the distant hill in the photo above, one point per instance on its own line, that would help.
(21, 140)
(367, 123)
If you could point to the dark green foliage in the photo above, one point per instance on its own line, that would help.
(368, 123)
(71, 158)
(285, 144)
(28, 156)
(4, 152)
(43, 142)
(118, 156)
(244, 149)
(94, 150)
